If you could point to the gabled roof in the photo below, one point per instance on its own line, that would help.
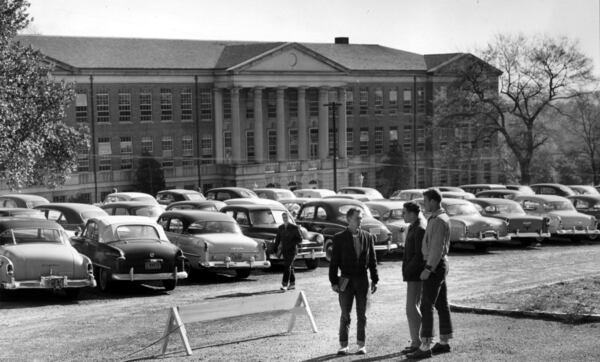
(434, 60)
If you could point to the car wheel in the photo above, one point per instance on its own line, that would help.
(169, 284)
(526, 242)
(593, 236)
(242, 273)
(72, 293)
(328, 249)
(482, 248)
(104, 280)
(5, 295)
(311, 263)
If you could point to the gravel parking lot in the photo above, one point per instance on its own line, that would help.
(110, 326)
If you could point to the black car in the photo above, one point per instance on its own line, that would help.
(166, 197)
(587, 204)
(260, 222)
(552, 189)
(206, 205)
(226, 193)
(475, 188)
(71, 216)
(499, 194)
(328, 217)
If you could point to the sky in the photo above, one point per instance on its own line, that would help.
(420, 26)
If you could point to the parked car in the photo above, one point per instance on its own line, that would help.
(22, 200)
(129, 196)
(294, 204)
(407, 195)
(391, 214)
(166, 197)
(552, 189)
(524, 189)
(313, 193)
(475, 188)
(36, 254)
(148, 209)
(260, 222)
(274, 194)
(130, 249)
(468, 226)
(499, 194)
(448, 188)
(584, 189)
(328, 217)
(207, 205)
(564, 219)
(226, 193)
(369, 192)
(71, 216)
(522, 227)
(359, 197)
(457, 195)
(587, 204)
(259, 201)
(213, 241)
(22, 212)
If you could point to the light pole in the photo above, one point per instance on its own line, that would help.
(333, 106)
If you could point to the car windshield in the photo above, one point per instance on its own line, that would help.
(90, 214)
(461, 209)
(214, 227)
(31, 235)
(248, 194)
(194, 196)
(559, 205)
(149, 211)
(344, 209)
(132, 232)
(397, 214)
(267, 217)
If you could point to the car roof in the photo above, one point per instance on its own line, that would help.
(229, 188)
(123, 219)
(199, 214)
(129, 204)
(297, 199)
(68, 206)
(358, 188)
(132, 194)
(24, 196)
(391, 205)
(179, 191)
(197, 202)
(334, 202)
(497, 186)
(263, 189)
(500, 192)
(494, 201)
(10, 223)
(256, 207)
(543, 197)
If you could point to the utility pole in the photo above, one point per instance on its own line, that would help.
(333, 106)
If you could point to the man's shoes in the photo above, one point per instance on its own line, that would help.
(409, 349)
(283, 288)
(292, 287)
(439, 348)
(343, 351)
(419, 354)
(361, 349)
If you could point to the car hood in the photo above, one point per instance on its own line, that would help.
(228, 242)
(36, 259)
(143, 248)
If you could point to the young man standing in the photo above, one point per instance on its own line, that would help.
(286, 244)
(353, 253)
(436, 244)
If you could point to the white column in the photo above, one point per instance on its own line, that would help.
(259, 146)
(218, 99)
(323, 123)
(302, 129)
(236, 127)
(342, 123)
(281, 134)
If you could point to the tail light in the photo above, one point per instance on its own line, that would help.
(264, 245)
(466, 230)
(179, 255)
(90, 268)
(10, 270)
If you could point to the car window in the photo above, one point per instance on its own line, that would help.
(149, 211)
(8, 203)
(90, 214)
(56, 215)
(133, 232)
(266, 217)
(558, 205)
(375, 212)
(194, 196)
(321, 214)
(307, 213)
(164, 222)
(213, 227)
(582, 204)
(91, 231)
(120, 211)
(242, 218)
(208, 208)
(165, 197)
(210, 195)
(530, 205)
(175, 226)
(547, 190)
(397, 214)
(31, 235)
(222, 195)
(461, 209)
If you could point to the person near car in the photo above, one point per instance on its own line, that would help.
(352, 254)
(286, 245)
(412, 265)
(436, 243)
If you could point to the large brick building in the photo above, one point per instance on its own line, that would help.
(252, 113)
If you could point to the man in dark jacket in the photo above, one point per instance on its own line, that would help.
(286, 244)
(353, 253)
(412, 265)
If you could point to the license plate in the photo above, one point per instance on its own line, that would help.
(153, 265)
(236, 257)
(56, 283)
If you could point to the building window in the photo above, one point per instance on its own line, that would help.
(187, 146)
(421, 177)
(207, 149)
(81, 108)
(186, 104)
(378, 101)
(393, 138)
(393, 102)
(102, 108)
(486, 142)
(227, 144)
(349, 141)
(166, 105)
(271, 104)
(455, 177)
(312, 96)
(420, 138)
(146, 107)
(378, 140)
(420, 100)
(226, 104)
(147, 145)
(292, 96)
(313, 143)
(364, 142)
(464, 171)
(330, 140)
(349, 101)
(104, 153)
(443, 177)
(363, 100)
(249, 104)
(293, 147)
(272, 144)
(166, 144)
(83, 160)
(474, 170)
(124, 107)
(487, 172)
(126, 147)
(205, 104)
(250, 146)
(407, 142)
(407, 100)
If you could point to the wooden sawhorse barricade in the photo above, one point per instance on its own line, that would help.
(294, 302)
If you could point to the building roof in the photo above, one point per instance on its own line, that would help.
(434, 60)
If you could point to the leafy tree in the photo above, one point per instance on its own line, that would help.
(37, 147)
(150, 177)
(537, 73)
(395, 174)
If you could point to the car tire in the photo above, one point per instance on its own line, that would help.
(525, 243)
(593, 237)
(242, 273)
(480, 248)
(72, 293)
(105, 283)
(328, 249)
(311, 263)
(169, 284)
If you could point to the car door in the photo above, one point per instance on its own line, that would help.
(87, 242)
(306, 217)
(243, 220)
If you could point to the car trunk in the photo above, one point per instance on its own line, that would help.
(33, 260)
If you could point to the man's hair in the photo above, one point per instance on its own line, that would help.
(352, 211)
(411, 206)
(433, 194)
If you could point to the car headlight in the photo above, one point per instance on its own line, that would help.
(320, 239)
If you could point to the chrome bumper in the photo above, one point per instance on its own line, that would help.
(303, 255)
(49, 282)
(577, 232)
(235, 264)
(131, 276)
(386, 247)
(532, 234)
(484, 239)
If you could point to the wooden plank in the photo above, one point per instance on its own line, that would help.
(309, 312)
(182, 333)
(167, 333)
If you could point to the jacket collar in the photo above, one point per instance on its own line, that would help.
(437, 213)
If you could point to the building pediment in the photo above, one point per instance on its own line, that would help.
(290, 57)
(461, 62)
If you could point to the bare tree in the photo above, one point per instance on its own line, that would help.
(535, 73)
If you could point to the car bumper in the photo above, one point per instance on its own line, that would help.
(50, 282)
(563, 232)
(386, 247)
(303, 255)
(260, 264)
(519, 235)
(484, 239)
(132, 277)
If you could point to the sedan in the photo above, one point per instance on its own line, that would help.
(226, 193)
(22, 212)
(407, 195)
(206, 205)
(71, 216)
(214, 241)
(391, 214)
(22, 200)
(370, 193)
(129, 196)
(36, 254)
(274, 194)
(130, 249)
(148, 209)
(587, 204)
(166, 197)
